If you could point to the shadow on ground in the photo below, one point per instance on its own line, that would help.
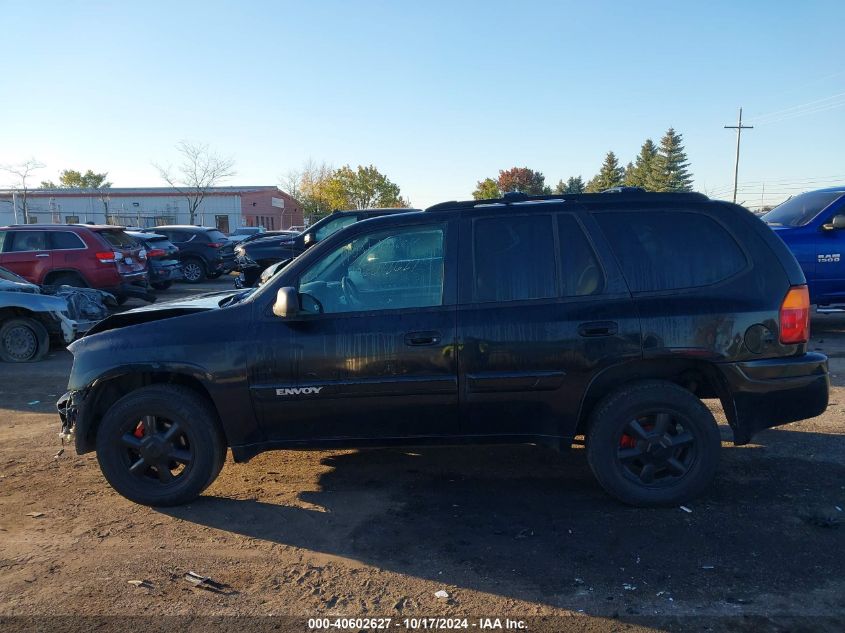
(527, 523)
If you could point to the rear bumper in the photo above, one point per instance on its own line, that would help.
(172, 272)
(775, 391)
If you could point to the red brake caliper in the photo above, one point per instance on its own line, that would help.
(629, 441)
(139, 430)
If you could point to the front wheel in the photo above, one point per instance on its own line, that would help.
(653, 443)
(160, 445)
(23, 340)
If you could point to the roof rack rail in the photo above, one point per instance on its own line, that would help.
(517, 197)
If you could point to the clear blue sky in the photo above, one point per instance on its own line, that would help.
(437, 95)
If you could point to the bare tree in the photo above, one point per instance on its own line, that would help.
(200, 170)
(22, 172)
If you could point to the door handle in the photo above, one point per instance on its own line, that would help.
(420, 339)
(42, 254)
(598, 328)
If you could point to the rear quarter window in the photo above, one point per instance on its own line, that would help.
(216, 236)
(65, 240)
(118, 239)
(669, 250)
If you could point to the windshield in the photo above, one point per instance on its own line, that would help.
(799, 210)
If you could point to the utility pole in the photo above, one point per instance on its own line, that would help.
(739, 127)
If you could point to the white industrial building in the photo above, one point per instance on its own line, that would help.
(227, 208)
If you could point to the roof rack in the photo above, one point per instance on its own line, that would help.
(618, 193)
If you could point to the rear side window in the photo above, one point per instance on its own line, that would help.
(24, 241)
(118, 239)
(666, 250)
(65, 240)
(514, 258)
(216, 236)
(580, 272)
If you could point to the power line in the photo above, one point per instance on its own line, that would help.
(739, 127)
(759, 119)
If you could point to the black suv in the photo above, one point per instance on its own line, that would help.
(205, 253)
(255, 255)
(519, 320)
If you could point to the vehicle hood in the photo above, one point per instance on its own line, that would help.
(167, 310)
(18, 286)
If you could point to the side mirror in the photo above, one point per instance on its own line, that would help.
(308, 239)
(838, 222)
(287, 303)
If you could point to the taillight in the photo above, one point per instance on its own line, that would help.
(156, 252)
(215, 244)
(142, 254)
(106, 257)
(795, 316)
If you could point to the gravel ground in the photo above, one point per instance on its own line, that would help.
(506, 532)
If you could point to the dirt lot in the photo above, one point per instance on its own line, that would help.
(517, 532)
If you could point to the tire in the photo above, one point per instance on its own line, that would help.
(193, 270)
(161, 285)
(23, 340)
(68, 279)
(632, 459)
(197, 450)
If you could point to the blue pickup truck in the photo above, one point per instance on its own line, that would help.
(813, 227)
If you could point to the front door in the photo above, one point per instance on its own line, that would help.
(27, 253)
(373, 355)
(539, 316)
(830, 258)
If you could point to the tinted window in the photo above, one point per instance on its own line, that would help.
(66, 240)
(397, 268)
(333, 226)
(118, 239)
(22, 241)
(667, 250)
(580, 271)
(513, 258)
(799, 210)
(216, 236)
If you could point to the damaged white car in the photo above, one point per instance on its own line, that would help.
(30, 316)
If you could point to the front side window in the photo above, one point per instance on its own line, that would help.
(514, 258)
(387, 270)
(667, 250)
(24, 241)
(333, 226)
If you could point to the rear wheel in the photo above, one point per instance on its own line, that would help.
(23, 340)
(160, 445)
(653, 443)
(193, 270)
(69, 279)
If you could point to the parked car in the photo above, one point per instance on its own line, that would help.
(254, 256)
(246, 231)
(519, 320)
(813, 226)
(162, 257)
(31, 316)
(93, 256)
(205, 252)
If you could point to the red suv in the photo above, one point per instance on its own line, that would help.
(102, 257)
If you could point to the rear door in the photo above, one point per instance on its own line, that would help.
(68, 251)
(27, 253)
(541, 312)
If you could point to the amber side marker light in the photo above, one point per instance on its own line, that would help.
(795, 316)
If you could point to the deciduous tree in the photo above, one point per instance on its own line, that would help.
(199, 171)
(522, 179)
(362, 188)
(486, 189)
(22, 173)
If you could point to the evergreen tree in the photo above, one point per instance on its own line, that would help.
(575, 184)
(638, 175)
(671, 167)
(612, 174)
